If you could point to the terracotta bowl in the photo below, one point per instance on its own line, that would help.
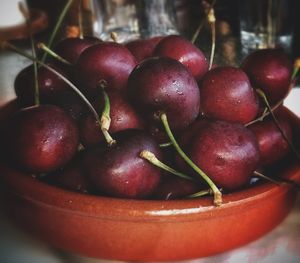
(135, 230)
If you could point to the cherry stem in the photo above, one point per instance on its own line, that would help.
(258, 174)
(80, 19)
(42, 46)
(263, 96)
(212, 21)
(201, 193)
(26, 14)
(105, 116)
(114, 37)
(149, 156)
(278, 181)
(267, 112)
(198, 30)
(57, 26)
(216, 191)
(165, 145)
(296, 68)
(8, 45)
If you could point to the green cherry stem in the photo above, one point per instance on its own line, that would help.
(7, 45)
(202, 22)
(165, 145)
(26, 15)
(216, 191)
(212, 21)
(57, 26)
(263, 96)
(80, 22)
(201, 193)
(42, 46)
(258, 174)
(296, 68)
(149, 156)
(277, 180)
(105, 119)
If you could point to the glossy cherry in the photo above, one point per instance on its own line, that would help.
(272, 145)
(269, 70)
(122, 115)
(227, 152)
(106, 61)
(143, 48)
(71, 48)
(50, 85)
(41, 139)
(119, 171)
(179, 48)
(226, 94)
(164, 85)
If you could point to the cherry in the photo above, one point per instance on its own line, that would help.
(172, 187)
(143, 48)
(106, 61)
(41, 139)
(227, 152)
(119, 171)
(71, 48)
(179, 48)
(164, 85)
(226, 94)
(72, 176)
(50, 85)
(122, 115)
(269, 70)
(272, 145)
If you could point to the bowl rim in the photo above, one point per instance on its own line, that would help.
(52, 197)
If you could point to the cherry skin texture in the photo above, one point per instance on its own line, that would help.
(269, 70)
(226, 94)
(106, 61)
(272, 145)
(227, 152)
(50, 85)
(122, 115)
(164, 85)
(143, 48)
(119, 171)
(41, 139)
(71, 48)
(184, 51)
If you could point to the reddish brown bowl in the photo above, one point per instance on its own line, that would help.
(132, 230)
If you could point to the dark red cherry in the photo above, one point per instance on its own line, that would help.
(122, 115)
(119, 171)
(179, 48)
(50, 85)
(226, 94)
(71, 48)
(173, 187)
(73, 177)
(164, 85)
(227, 152)
(272, 145)
(41, 139)
(106, 61)
(269, 70)
(143, 48)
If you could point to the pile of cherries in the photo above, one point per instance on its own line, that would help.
(214, 115)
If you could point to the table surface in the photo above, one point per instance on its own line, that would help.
(281, 245)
